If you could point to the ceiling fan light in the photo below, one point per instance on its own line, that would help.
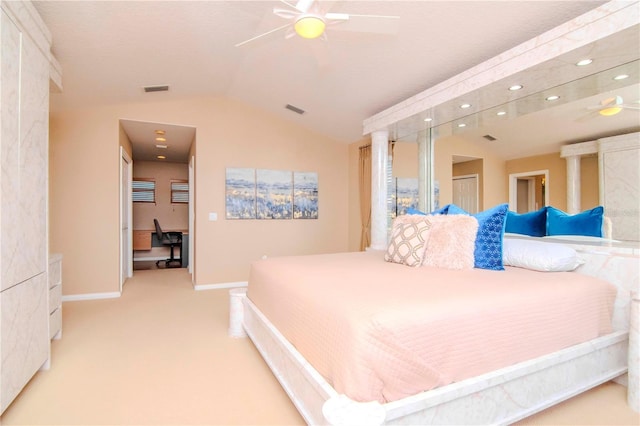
(309, 26)
(607, 112)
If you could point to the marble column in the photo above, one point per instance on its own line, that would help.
(633, 391)
(573, 184)
(379, 164)
(425, 202)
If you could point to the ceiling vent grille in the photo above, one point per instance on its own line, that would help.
(489, 137)
(295, 109)
(149, 89)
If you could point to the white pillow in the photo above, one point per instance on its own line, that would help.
(539, 256)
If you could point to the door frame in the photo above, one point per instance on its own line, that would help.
(192, 257)
(513, 186)
(471, 176)
(126, 205)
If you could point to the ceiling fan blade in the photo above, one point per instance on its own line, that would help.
(262, 35)
(304, 5)
(377, 24)
(285, 13)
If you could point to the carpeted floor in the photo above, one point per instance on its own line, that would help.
(160, 355)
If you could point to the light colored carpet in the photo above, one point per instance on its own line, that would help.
(160, 355)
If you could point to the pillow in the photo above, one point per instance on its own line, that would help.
(533, 223)
(442, 210)
(588, 222)
(488, 245)
(451, 242)
(540, 256)
(411, 210)
(408, 242)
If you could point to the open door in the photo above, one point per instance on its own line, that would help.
(192, 234)
(126, 246)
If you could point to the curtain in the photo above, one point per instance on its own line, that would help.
(364, 175)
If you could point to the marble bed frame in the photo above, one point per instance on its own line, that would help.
(500, 397)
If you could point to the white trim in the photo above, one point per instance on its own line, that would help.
(513, 190)
(90, 296)
(126, 271)
(192, 235)
(237, 284)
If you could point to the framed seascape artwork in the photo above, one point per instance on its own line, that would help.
(273, 194)
(305, 195)
(270, 194)
(240, 193)
(404, 193)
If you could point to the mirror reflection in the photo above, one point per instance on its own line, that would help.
(512, 152)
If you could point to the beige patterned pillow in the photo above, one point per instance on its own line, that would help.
(408, 242)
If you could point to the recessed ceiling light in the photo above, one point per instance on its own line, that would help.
(621, 77)
(161, 146)
(516, 87)
(501, 113)
(161, 157)
(161, 139)
(552, 98)
(462, 125)
(465, 106)
(159, 132)
(584, 62)
(428, 119)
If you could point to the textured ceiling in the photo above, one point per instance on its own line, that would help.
(109, 50)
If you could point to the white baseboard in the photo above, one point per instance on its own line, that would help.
(90, 296)
(220, 286)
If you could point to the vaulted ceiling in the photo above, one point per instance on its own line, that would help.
(110, 50)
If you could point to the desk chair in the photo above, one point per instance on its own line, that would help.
(172, 239)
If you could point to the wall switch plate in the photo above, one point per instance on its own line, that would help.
(213, 216)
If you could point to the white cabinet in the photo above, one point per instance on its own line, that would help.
(25, 64)
(55, 296)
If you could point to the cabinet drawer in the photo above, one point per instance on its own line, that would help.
(55, 322)
(55, 273)
(55, 297)
(142, 240)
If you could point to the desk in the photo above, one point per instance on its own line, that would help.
(145, 239)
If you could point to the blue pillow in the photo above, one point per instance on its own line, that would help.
(491, 224)
(588, 222)
(411, 210)
(532, 223)
(442, 210)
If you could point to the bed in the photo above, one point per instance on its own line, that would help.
(296, 307)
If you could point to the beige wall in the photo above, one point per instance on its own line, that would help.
(170, 216)
(85, 160)
(589, 182)
(557, 184)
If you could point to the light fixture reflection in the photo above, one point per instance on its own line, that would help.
(611, 106)
(309, 26)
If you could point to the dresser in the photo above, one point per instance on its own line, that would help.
(55, 296)
(26, 69)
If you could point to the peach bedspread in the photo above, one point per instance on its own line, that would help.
(383, 331)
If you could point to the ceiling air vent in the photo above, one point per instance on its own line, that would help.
(294, 109)
(149, 89)
(489, 137)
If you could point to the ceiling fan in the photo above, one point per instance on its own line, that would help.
(612, 106)
(309, 21)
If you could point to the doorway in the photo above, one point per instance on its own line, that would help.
(528, 191)
(162, 189)
(126, 246)
(465, 192)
